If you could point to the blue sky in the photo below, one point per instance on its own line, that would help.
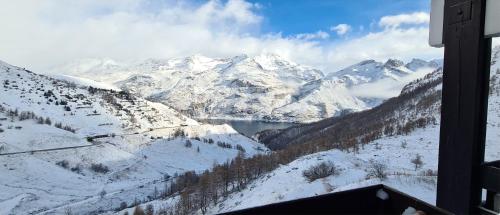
(298, 16)
(325, 34)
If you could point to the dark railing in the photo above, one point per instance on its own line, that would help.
(490, 181)
(378, 199)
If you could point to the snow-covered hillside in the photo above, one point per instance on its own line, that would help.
(358, 87)
(265, 87)
(399, 138)
(355, 165)
(65, 146)
(288, 183)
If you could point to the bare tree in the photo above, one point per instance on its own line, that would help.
(188, 144)
(417, 161)
(377, 170)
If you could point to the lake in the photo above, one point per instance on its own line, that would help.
(249, 127)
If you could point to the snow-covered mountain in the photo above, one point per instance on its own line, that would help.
(265, 87)
(66, 146)
(371, 71)
(351, 89)
(395, 151)
(395, 144)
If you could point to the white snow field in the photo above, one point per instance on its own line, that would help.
(288, 183)
(141, 143)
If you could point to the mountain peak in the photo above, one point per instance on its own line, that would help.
(270, 55)
(416, 64)
(366, 62)
(271, 61)
(417, 60)
(198, 58)
(394, 63)
(239, 58)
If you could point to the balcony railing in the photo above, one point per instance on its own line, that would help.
(377, 199)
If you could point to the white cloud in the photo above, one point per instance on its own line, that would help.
(387, 88)
(399, 43)
(312, 36)
(53, 32)
(341, 29)
(401, 19)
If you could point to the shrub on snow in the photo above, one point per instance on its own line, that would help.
(321, 170)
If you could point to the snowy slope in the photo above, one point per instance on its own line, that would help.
(86, 82)
(395, 148)
(288, 183)
(329, 98)
(139, 144)
(370, 71)
(264, 87)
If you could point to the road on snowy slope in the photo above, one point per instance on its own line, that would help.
(136, 133)
(85, 146)
(49, 150)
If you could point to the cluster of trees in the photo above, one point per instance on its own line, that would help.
(48, 94)
(30, 115)
(110, 97)
(118, 99)
(64, 127)
(65, 164)
(99, 168)
(199, 191)
(240, 148)
(179, 133)
(27, 115)
(224, 145)
(188, 144)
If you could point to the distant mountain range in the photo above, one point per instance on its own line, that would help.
(265, 87)
(86, 144)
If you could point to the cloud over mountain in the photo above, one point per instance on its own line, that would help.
(43, 34)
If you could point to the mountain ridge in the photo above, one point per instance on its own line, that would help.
(265, 87)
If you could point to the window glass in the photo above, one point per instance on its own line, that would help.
(206, 106)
